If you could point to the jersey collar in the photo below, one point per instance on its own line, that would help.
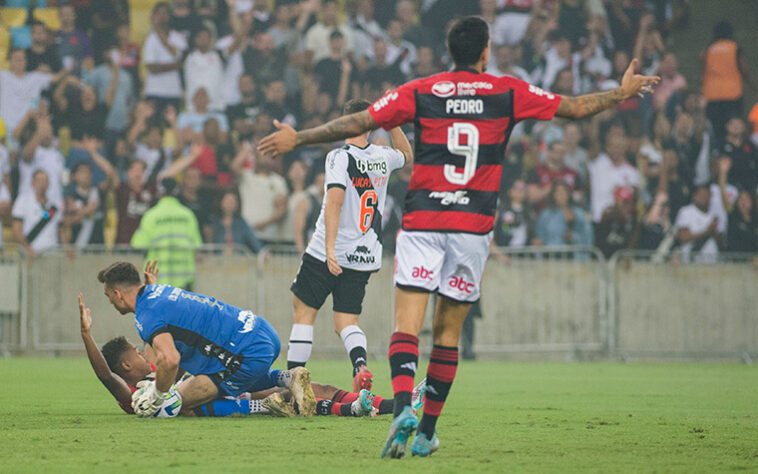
(466, 69)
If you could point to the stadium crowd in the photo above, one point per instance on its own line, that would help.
(98, 128)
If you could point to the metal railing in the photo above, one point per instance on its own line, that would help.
(535, 299)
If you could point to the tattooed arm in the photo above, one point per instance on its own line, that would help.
(632, 85)
(590, 104)
(287, 139)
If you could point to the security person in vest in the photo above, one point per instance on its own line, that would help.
(724, 71)
(169, 232)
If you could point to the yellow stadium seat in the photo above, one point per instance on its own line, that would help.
(13, 17)
(48, 16)
(5, 46)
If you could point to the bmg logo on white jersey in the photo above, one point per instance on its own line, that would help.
(367, 166)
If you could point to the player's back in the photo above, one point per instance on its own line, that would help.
(208, 333)
(364, 175)
(462, 122)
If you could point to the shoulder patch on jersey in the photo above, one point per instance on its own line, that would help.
(443, 89)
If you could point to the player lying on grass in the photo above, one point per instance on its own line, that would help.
(120, 366)
(346, 246)
(228, 350)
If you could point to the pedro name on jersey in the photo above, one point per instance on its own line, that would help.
(462, 120)
(364, 174)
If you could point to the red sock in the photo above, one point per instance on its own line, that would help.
(403, 354)
(342, 396)
(439, 378)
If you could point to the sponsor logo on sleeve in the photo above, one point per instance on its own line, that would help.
(381, 103)
(539, 92)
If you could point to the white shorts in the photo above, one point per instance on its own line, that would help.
(449, 263)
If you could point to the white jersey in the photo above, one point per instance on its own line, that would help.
(363, 173)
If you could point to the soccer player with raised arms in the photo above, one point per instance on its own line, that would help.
(346, 246)
(463, 119)
(228, 350)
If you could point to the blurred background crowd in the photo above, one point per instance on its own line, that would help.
(107, 114)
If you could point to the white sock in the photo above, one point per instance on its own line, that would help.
(257, 407)
(301, 344)
(355, 344)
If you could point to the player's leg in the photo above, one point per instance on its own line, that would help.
(348, 295)
(466, 255)
(197, 391)
(301, 335)
(418, 262)
(310, 288)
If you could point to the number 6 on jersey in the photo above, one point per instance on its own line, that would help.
(368, 202)
(469, 149)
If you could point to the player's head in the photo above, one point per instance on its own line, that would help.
(468, 42)
(124, 359)
(353, 106)
(121, 281)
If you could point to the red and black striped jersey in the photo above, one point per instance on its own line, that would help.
(462, 122)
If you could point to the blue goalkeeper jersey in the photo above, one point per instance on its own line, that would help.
(210, 335)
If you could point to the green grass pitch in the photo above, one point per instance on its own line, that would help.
(501, 417)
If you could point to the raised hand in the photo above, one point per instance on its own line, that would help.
(151, 272)
(633, 84)
(280, 142)
(85, 319)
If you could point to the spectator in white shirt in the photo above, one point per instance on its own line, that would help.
(20, 90)
(317, 37)
(204, 68)
(162, 55)
(37, 222)
(609, 171)
(39, 153)
(400, 51)
(697, 228)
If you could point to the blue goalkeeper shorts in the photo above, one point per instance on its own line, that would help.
(253, 374)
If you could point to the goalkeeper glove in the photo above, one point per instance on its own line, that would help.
(148, 399)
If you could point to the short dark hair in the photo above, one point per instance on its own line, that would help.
(355, 105)
(38, 23)
(112, 351)
(723, 30)
(120, 273)
(467, 39)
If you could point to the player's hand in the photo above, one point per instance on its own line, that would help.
(84, 317)
(280, 142)
(633, 85)
(151, 272)
(147, 399)
(334, 267)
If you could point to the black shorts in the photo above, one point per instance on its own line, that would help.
(314, 282)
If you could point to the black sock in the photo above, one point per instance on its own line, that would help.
(387, 406)
(324, 407)
(358, 358)
(292, 365)
(346, 409)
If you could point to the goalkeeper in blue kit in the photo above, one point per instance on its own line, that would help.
(229, 350)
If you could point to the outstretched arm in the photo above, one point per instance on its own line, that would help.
(167, 361)
(115, 384)
(287, 139)
(632, 85)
